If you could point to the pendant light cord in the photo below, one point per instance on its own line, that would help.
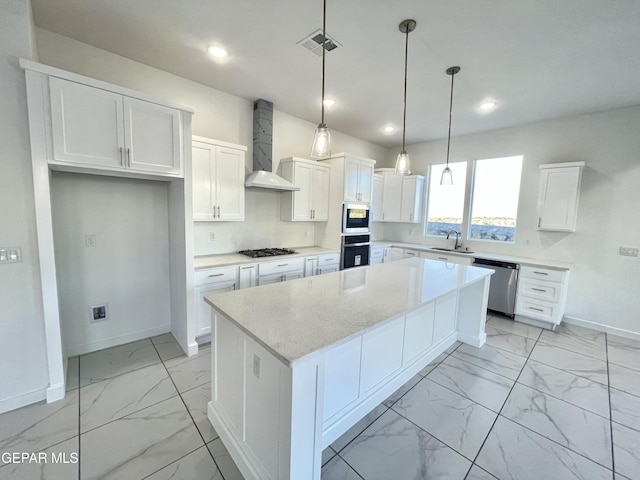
(450, 110)
(404, 104)
(324, 49)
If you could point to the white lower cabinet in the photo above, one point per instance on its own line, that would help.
(310, 266)
(541, 294)
(341, 376)
(418, 332)
(381, 354)
(280, 271)
(446, 257)
(207, 282)
(247, 276)
(328, 263)
(397, 253)
(376, 256)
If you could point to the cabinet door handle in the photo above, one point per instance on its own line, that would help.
(540, 273)
(539, 221)
(538, 289)
(218, 211)
(216, 275)
(536, 309)
(121, 159)
(129, 156)
(234, 285)
(411, 217)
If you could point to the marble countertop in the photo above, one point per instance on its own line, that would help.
(300, 317)
(476, 254)
(222, 260)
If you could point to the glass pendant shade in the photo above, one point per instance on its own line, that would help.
(447, 177)
(403, 164)
(321, 147)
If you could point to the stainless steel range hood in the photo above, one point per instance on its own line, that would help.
(262, 176)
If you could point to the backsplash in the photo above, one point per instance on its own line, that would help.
(262, 228)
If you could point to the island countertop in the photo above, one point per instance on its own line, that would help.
(297, 318)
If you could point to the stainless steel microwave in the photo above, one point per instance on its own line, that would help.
(356, 218)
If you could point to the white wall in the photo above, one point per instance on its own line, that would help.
(23, 364)
(220, 116)
(604, 286)
(128, 268)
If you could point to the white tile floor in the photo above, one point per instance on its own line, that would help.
(530, 404)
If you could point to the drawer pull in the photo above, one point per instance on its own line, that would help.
(536, 309)
(540, 273)
(283, 265)
(443, 258)
(244, 268)
(217, 275)
(538, 289)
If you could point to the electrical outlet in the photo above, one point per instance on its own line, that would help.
(628, 252)
(212, 236)
(90, 240)
(256, 366)
(98, 313)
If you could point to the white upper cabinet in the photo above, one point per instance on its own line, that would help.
(218, 180)
(96, 128)
(401, 198)
(376, 199)
(358, 179)
(558, 196)
(411, 203)
(311, 202)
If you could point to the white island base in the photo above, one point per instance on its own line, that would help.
(296, 364)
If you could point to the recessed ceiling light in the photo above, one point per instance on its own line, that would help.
(389, 129)
(329, 103)
(487, 106)
(217, 51)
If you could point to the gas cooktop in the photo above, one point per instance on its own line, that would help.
(267, 252)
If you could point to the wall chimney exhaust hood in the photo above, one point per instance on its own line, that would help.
(262, 176)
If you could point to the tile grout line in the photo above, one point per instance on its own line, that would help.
(473, 462)
(613, 456)
(204, 443)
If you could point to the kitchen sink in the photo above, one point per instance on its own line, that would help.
(450, 250)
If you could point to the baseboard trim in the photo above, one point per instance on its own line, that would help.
(621, 332)
(23, 400)
(73, 350)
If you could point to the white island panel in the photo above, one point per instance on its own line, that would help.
(310, 357)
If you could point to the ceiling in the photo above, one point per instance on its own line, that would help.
(539, 59)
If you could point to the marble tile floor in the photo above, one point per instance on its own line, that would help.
(530, 404)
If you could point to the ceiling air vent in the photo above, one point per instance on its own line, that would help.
(313, 43)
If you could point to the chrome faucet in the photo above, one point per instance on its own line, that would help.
(457, 244)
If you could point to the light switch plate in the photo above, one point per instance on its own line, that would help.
(10, 255)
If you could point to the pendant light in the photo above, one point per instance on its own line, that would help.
(403, 164)
(321, 147)
(447, 177)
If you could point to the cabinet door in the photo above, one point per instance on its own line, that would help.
(397, 253)
(411, 204)
(391, 197)
(303, 178)
(152, 137)
(376, 199)
(293, 275)
(365, 182)
(203, 173)
(386, 256)
(320, 193)
(351, 173)
(558, 198)
(203, 308)
(87, 125)
(229, 184)
(310, 266)
(247, 276)
(328, 269)
(268, 279)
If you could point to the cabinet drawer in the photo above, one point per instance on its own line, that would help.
(216, 275)
(540, 289)
(285, 265)
(542, 273)
(548, 312)
(411, 253)
(376, 254)
(328, 259)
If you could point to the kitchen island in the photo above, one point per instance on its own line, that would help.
(296, 364)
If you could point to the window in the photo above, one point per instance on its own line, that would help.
(496, 188)
(445, 204)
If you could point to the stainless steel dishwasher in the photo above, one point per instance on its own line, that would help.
(502, 292)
